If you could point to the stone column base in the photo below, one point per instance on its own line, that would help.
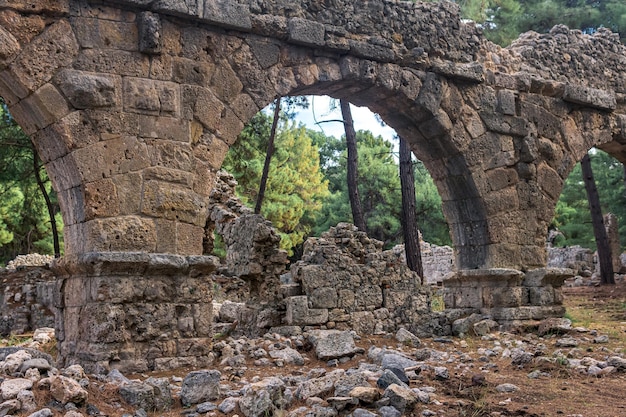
(134, 311)
(507, 295)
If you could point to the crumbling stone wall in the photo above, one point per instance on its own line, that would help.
(26, 299)
(252, 244)
(579, 259)
(348, 281)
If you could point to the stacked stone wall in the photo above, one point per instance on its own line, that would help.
(26, 299)
(348, 281)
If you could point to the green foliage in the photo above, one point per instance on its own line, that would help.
(379, 189)
(504, 20)
(295, 187)
(572, 216)
(24, 219)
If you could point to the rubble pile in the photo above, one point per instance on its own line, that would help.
(315, 373)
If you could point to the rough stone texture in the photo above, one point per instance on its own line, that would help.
(349, 280)
(580, 260)
(134, 105)
(200, 386)
(173, 291)
(505, 295)
(252, 244)
(26, 299)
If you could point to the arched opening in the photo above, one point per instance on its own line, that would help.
(307, 184)
(572, 242)
(30, 218)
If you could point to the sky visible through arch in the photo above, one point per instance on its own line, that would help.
(319, 110)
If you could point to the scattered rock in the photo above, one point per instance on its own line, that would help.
(408, 338)
(66, 390)
(566, 342)
(200, 386)
(333, 344)
(555, 326)
(507, 388)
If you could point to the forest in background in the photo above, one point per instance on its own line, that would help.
(307, 190)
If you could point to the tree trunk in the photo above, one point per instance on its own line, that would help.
(353, 190)
(49, 206)
(268, 159)
(409, 219)
(602, 242)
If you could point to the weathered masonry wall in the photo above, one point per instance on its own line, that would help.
(132, 105)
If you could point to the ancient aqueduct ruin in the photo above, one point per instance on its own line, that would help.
(132, 104)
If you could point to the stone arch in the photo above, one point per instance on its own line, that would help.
(133, 105)
(409, 101)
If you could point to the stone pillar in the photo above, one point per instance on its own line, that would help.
(507, 295)
(134, 311)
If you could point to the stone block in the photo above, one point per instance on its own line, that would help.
(551, 182)
(338, 315)
(127, 233)
(463, 297)
(244, 107)
(227, 14)
(122, 63)
(189, 71)
(541, 296)
(267, 53)
(502, 297)
(41, 109)
(106, 34)
(369, 297)
(161, 127)
(169, 157)
(53, 49)
(149, 33)
(229, 126)
(225, 84)
(188, 239)
(101, 199)
(173, 202)
(347, 299)
(506, 102)
(9, 47)
(12, 90)
(90, 90)
(306, 32)
(490, 277)
(325, 297)
(473, 72)
(588, 96)
(40, 6)
(128, 187)
(395, 298)
(298, 312)
(110, 158)
(184, 8)
(523, 313)
(368, 50)
(553, 277)
(363, 322)
(146, 96)
(508, 125)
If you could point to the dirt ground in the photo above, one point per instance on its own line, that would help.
(564, 392)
